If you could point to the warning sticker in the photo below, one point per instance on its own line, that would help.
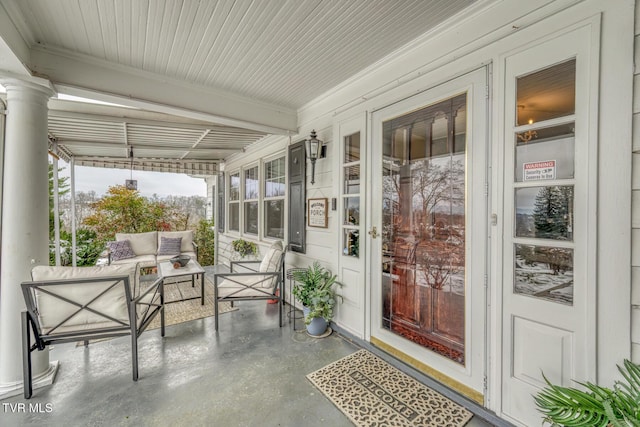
(535, 171)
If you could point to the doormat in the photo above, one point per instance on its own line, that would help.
(370, 392)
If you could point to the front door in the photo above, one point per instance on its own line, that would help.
(430, 211)
(548, 261)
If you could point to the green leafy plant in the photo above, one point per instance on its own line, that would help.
(205, 239)
(597, 406)
(314, 289)
(244, 248)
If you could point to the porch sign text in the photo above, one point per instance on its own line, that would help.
(536, 171)
(317, 215)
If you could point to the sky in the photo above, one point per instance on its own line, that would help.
(149, 183)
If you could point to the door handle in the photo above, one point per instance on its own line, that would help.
(373, 233)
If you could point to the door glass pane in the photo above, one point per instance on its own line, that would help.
(352, 179)
(352, 148)
(545, 212)
(546, 94)
(351, 243)
(352, 210)
(544, 272)
(423, 235)
(546, 153)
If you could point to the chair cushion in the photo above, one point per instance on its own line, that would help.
(187, 238)
(120, 250)
(271, 260)
(112, 302)
(170, 245)
(141, 243)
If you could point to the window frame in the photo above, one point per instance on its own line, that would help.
(283, 197)
(231, 201)
(245, 200)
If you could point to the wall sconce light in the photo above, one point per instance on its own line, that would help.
(315, 150)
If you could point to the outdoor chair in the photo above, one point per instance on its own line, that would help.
(259, 280)
(68, 304)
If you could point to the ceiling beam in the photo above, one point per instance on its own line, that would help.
(14, 50)
(81, 75)
(113, 117)
(116, 145)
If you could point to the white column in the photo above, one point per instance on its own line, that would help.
(25, 222)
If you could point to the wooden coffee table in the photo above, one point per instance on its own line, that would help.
(193, 269)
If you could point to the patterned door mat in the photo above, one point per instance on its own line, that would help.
(373, 393)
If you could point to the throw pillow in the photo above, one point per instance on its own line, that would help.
(120, 250)
(170, 245)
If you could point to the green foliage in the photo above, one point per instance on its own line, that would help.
(205, 239)
(88, 248)
(597, 406)
(125, 211)
(244, 248)
(314, 288)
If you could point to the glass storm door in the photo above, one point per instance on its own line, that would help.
(432, 217)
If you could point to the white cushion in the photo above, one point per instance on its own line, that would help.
(271, 259)
(141, 243)
(113, 302)
(142, 260)
(187, 238)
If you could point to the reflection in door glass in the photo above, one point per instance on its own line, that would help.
(423, 236)
(544, 272)
(545, 212)
(546, 94)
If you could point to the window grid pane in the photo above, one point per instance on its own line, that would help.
(251, 183)
(274, 218)
(234, 186)
(274, 178)
(251, 217)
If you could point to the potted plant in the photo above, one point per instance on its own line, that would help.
(244, 248)
(315, 289)
(596, 405)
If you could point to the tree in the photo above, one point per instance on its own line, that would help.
(553, 211)
(125, 211)
(63, 188)
(205, 239)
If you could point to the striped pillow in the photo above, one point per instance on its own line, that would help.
(170, 245)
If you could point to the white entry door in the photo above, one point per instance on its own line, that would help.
(548, 228)
(428, 231)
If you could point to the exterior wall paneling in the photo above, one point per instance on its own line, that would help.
(635, 197)
(458, 49)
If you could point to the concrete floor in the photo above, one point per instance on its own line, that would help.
(252, 373)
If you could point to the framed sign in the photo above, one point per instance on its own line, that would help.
(317, 215)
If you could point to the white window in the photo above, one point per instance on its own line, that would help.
(234, 201)
(251, 204)
(274, 193)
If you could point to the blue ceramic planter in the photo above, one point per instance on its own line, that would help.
(317, 326)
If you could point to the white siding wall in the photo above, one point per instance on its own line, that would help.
(456, 49)
(635, 201)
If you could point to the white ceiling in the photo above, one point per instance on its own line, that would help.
(238, 63)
